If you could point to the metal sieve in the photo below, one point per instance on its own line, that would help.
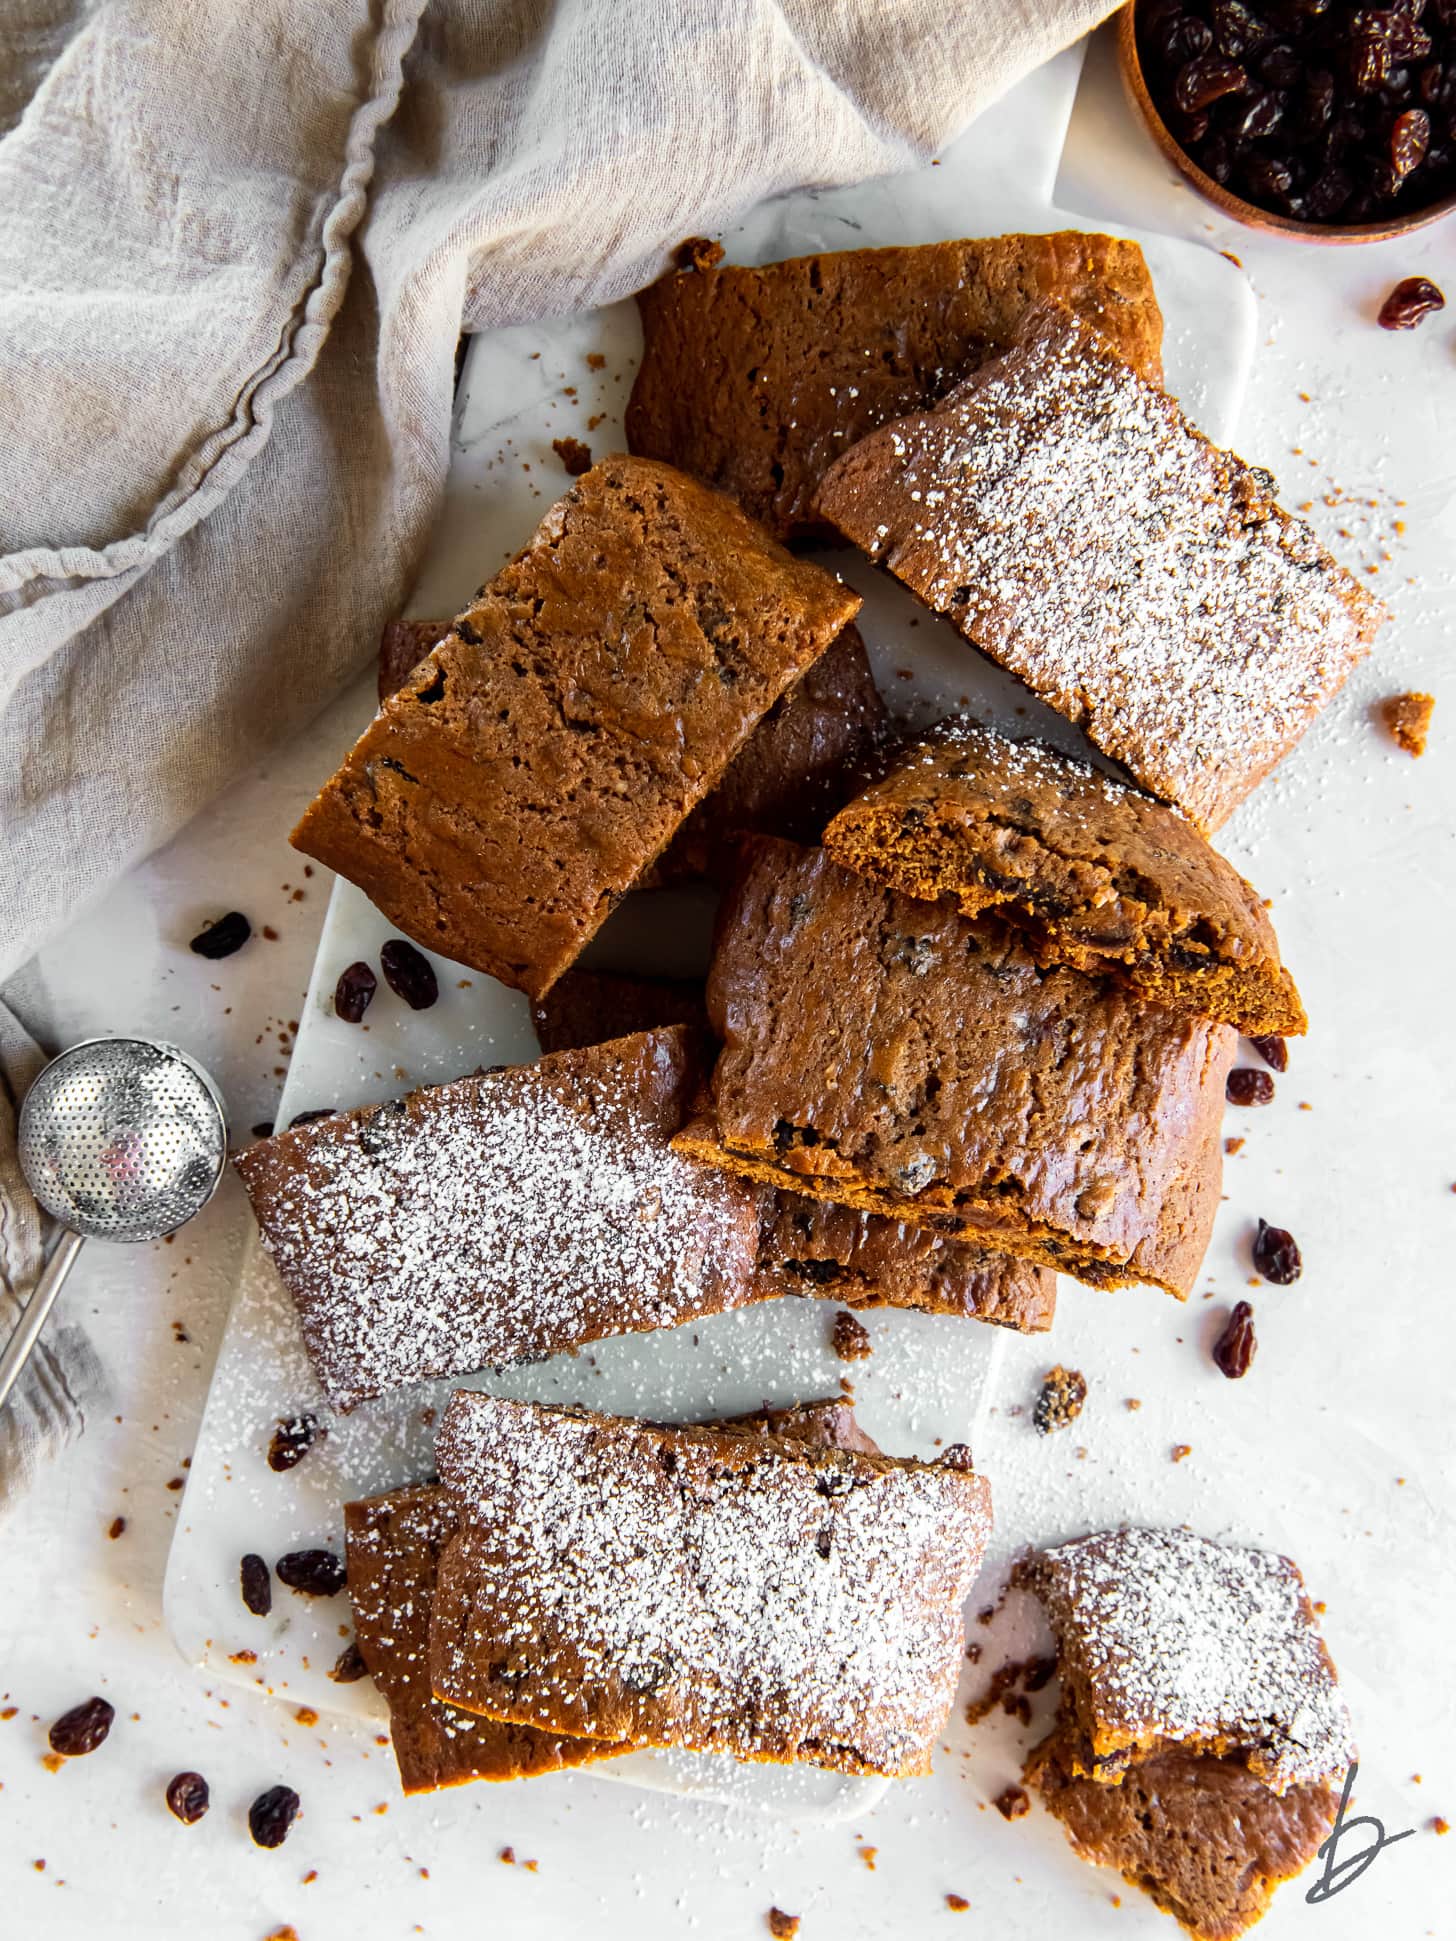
(120, 1139)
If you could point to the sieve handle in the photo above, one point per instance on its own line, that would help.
(27, 1330)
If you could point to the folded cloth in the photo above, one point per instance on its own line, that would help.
(48, 1404)
(224, 452)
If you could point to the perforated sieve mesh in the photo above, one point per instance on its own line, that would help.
(123, 1139)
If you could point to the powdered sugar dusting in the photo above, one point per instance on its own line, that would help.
(1070, 521)
(1171, 1637)
(492, 1221)
(772, 1602)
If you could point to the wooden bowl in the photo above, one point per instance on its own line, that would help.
(1250, 213)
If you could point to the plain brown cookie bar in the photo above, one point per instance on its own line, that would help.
(513, 790)
(700, 1588)
(893, 1055)
(758, 379)
(1073, 524)
(809, 1246)
(1166, 1639)
(1202, 1838)
(817, 744)
(394, 1543)
(501, 1218)
(1096, 874)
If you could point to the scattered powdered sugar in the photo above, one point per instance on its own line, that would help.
(1167, 1636)
(1011, 759)
(774, 1601)
(493, 1221)
(1072, 523)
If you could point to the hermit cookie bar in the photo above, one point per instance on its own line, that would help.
(758, 379)
(1202, 1837)
(515, 787)
(394, 1544)
(1167, 1639)
(700, 1588)
(814, 748)
(809, 1246)
(1070, 521)
(1097, 874)
(501, 1218)
(1201, 1739)
(893, 1055)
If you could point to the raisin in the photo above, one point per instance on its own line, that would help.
(1207, 79)
(1236, 31)
(354, 992)
(1410, 137)
(409, 974)
(850, 1338)
(292, 1440)
(1246, 1086)
(83, 1728)
(1409, 302)
(271, 1815)
(1326, 196)
(312, 1116)
(1012, 1804)
(1234, 1349)
(188, 1797)
(257, 1585)
(222, 938)
(313, 1573)
(1262, 116)
(1181, 38)
(1276, 1256)
(349, 1667)
(1272, 1049)
(1060, 1400)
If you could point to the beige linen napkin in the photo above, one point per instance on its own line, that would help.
(237, 246)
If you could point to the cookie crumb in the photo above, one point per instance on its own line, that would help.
(957, 1903)
(1132, 1404)
(698, 253)
(1179, 1451)
(868, 1855)
(1439, 1825)
(1231, 1146)
(575, 457)
(850, 1338)
(1012, 1804)
(116, 1527)
(1063, 1392)
(1407, 719)
(783, 1927)
(595, 361)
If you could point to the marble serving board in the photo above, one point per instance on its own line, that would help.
(930, 1377)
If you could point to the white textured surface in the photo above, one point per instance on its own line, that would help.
(1350, 1390)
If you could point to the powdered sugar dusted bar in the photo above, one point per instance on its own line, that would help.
(699, 1588)
(394, 1544)
(1073, 524)
(501, 1217)
(1167, 1639)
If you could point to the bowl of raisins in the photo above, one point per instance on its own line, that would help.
(1314, 118)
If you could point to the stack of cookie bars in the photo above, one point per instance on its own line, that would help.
(967, 1025)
